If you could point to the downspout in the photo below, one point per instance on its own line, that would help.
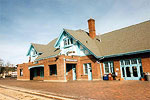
(101, 67)
(64, 70)
(100, 70)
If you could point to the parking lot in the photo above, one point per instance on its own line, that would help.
(89, 90)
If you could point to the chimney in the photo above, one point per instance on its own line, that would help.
(91, 24)
(29, 59)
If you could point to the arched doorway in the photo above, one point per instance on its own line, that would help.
(36, 73)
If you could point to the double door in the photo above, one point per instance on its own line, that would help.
(131, 69)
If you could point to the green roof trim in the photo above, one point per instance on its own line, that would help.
(81, 44)
(35, 66)
(31, 46)
(124, 54)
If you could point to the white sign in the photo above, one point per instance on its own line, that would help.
(72, 60)
(117, 69)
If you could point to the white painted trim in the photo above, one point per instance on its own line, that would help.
(82, 80)
(64, 69)
(89, 80)
(23, 79)
(97, 79)
(101, 70)
(55, 80)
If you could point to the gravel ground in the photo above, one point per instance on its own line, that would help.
(86, 90)
(7, 94)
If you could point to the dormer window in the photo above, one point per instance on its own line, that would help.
(68, 41)
(65, 42)
(33, 53)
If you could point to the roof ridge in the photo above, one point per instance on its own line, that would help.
(37, 44)
(126, 27)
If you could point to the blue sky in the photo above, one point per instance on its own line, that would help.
(39, 21)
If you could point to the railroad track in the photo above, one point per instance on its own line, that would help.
(41, 95)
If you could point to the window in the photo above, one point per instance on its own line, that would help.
(21, 72)
(133, 61)
(139, 61)
(65, 42)
(128, 72)
(108, 67)
(127, 62)
(122, 62)
(68, 41)
(33, 53)
(123, 72)
(141, 71)
(53, 69)
(71, 41)
(85, 68)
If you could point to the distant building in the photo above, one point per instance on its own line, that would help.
(14, 74)
(8, 71)
(81, 55)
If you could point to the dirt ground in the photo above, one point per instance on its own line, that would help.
(89, 90)
(7, 94)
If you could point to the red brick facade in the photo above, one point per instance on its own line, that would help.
(61, 63)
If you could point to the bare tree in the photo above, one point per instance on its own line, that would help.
(7, 64)
(1, 64)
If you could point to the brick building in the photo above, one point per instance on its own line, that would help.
(81, 55)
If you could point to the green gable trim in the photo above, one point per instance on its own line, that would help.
(29, 51)
(31, 46)
(56, 44)
(60, 35)
(81, 44)
(124, 54)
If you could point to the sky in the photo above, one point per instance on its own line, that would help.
(39, 21)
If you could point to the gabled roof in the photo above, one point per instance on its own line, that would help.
(38, 47)
(49, 50)
(130, 39)
(83, 37)
(134, 38)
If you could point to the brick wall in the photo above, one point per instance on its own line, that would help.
(145, 58)
(26, 72)
(96, 72)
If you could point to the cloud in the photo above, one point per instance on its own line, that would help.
(40, 21)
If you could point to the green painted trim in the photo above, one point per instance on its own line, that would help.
(124, 54)
(31, 46)
(81, 44)
(75, 40)
(60, 35)
(138, 64)
(28, 53)
(35, 66)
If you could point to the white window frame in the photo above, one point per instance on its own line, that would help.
(68, 41)
(111, 68)
(86, 69)
(21, 72)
